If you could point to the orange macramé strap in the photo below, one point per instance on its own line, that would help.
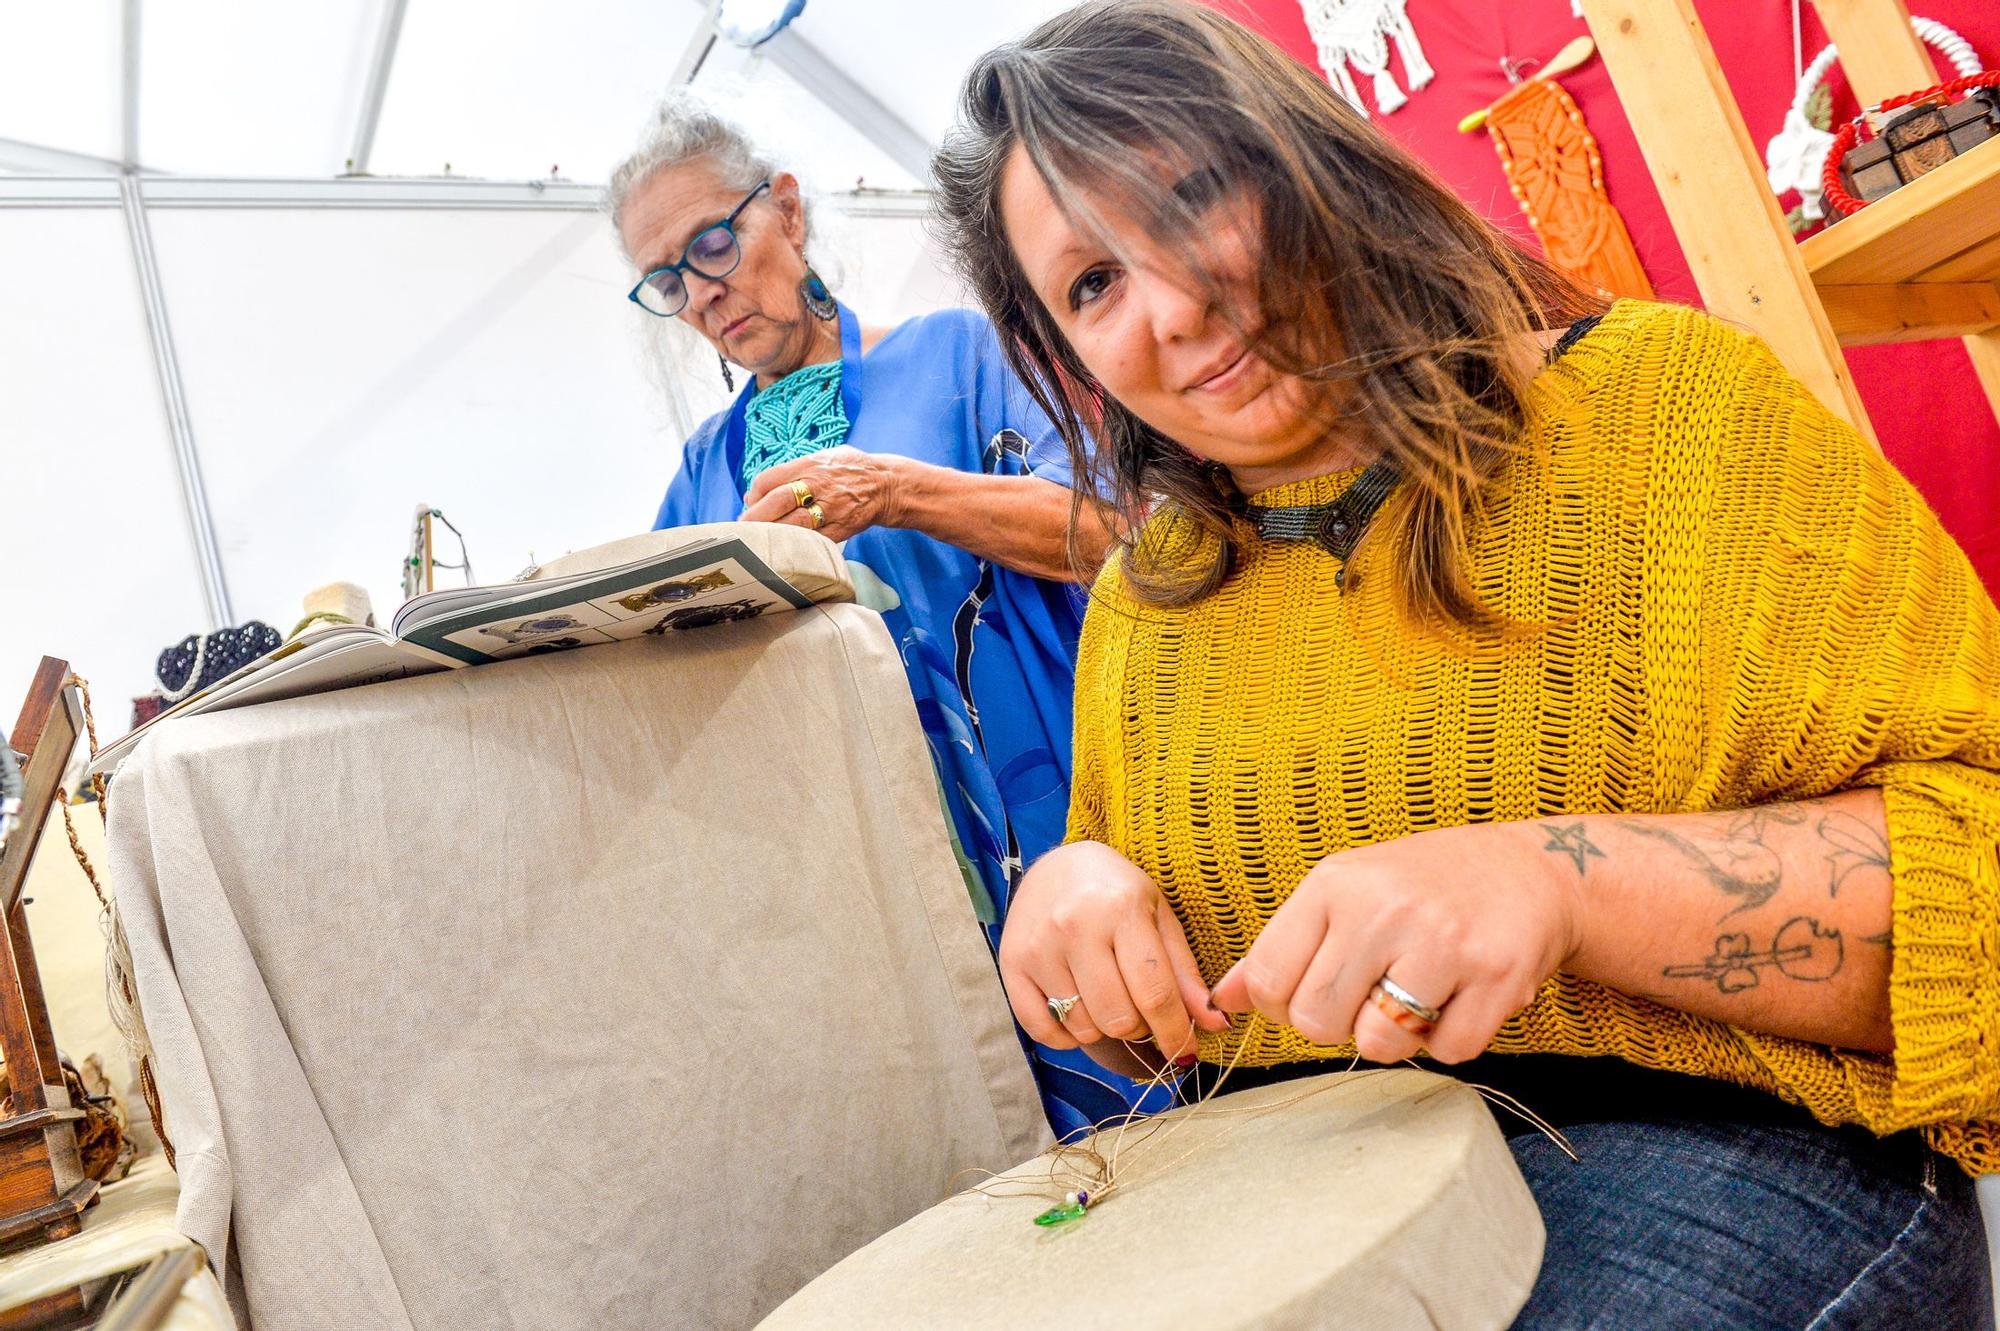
(1557, 176)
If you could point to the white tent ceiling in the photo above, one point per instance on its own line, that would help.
(502, 91)
(325, 353)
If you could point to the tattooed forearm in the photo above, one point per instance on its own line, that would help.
(1571, 841)
(1800, 950)
(1854, 847)
(1736, 860)
(1774, 917)
(1740, 860)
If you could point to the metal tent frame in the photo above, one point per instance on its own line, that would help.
(56, 178)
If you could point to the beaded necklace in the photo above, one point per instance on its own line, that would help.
(1336, 527)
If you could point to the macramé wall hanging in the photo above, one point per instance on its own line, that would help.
(1556, 174)
(1359, 33)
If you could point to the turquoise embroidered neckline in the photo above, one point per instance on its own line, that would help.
(802, 413)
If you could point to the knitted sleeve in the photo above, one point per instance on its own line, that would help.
(1844, 641)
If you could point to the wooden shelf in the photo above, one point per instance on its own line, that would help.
(1910, 311)
(1941, 227)
(1922, 263)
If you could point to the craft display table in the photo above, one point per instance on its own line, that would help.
(1382, 1199)
(627, 987)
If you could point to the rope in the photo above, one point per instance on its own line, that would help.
(97, 785)
(123, 1003)
(1955, 48)
(1851, 131)
(76, 849)
(318, 617)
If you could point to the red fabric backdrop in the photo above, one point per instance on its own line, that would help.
(1927, 406)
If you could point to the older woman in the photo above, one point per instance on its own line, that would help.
(1500, 675)
(918, 448)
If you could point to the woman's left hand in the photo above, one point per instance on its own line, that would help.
(1468, 920)
(854, 490)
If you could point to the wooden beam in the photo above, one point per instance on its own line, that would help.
(43, 690)
(46, 736)
(1985, 352)
(1711, 178)
(30, 972)
(1880, 53)
(1910, 312)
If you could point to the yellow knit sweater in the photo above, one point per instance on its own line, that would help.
(1740, 603)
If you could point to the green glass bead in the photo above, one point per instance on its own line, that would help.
(1058, 1215)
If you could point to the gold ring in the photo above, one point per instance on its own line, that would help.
(802, 496)
(818, 514)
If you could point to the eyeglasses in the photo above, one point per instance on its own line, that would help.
(713, 253)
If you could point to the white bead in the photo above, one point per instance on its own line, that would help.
(1069, 1199)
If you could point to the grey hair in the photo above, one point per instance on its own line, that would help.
(686, 128)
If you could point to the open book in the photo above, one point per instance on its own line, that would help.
(655, 584)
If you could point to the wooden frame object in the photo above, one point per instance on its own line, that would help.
(1922, 263)
(43, 1191)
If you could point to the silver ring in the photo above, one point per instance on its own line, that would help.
(1408, 1001)
(1059, 1007)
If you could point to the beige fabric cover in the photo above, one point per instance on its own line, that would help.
(1388, 1201)
(628, 987)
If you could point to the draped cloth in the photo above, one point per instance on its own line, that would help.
(544, 995)
(990, 654)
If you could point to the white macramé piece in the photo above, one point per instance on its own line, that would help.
(1358, 32)
(1795, 158)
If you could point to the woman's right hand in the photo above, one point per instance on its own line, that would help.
(1088, 922)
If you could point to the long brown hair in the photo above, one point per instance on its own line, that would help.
(1400, 310)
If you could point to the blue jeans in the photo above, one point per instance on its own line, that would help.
(1669, 1224)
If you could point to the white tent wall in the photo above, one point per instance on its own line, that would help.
(340, 365)
(96, 564)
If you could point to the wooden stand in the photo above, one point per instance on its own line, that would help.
(1922, 263)
(42, 1188)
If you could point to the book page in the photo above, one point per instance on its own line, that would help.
(716, 583)
(631, 553)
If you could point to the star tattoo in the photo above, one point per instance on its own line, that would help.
(1571, 841)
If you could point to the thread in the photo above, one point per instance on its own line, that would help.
(1086, 1169)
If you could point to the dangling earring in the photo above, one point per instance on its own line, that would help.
(819, 301)
(728, 379)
